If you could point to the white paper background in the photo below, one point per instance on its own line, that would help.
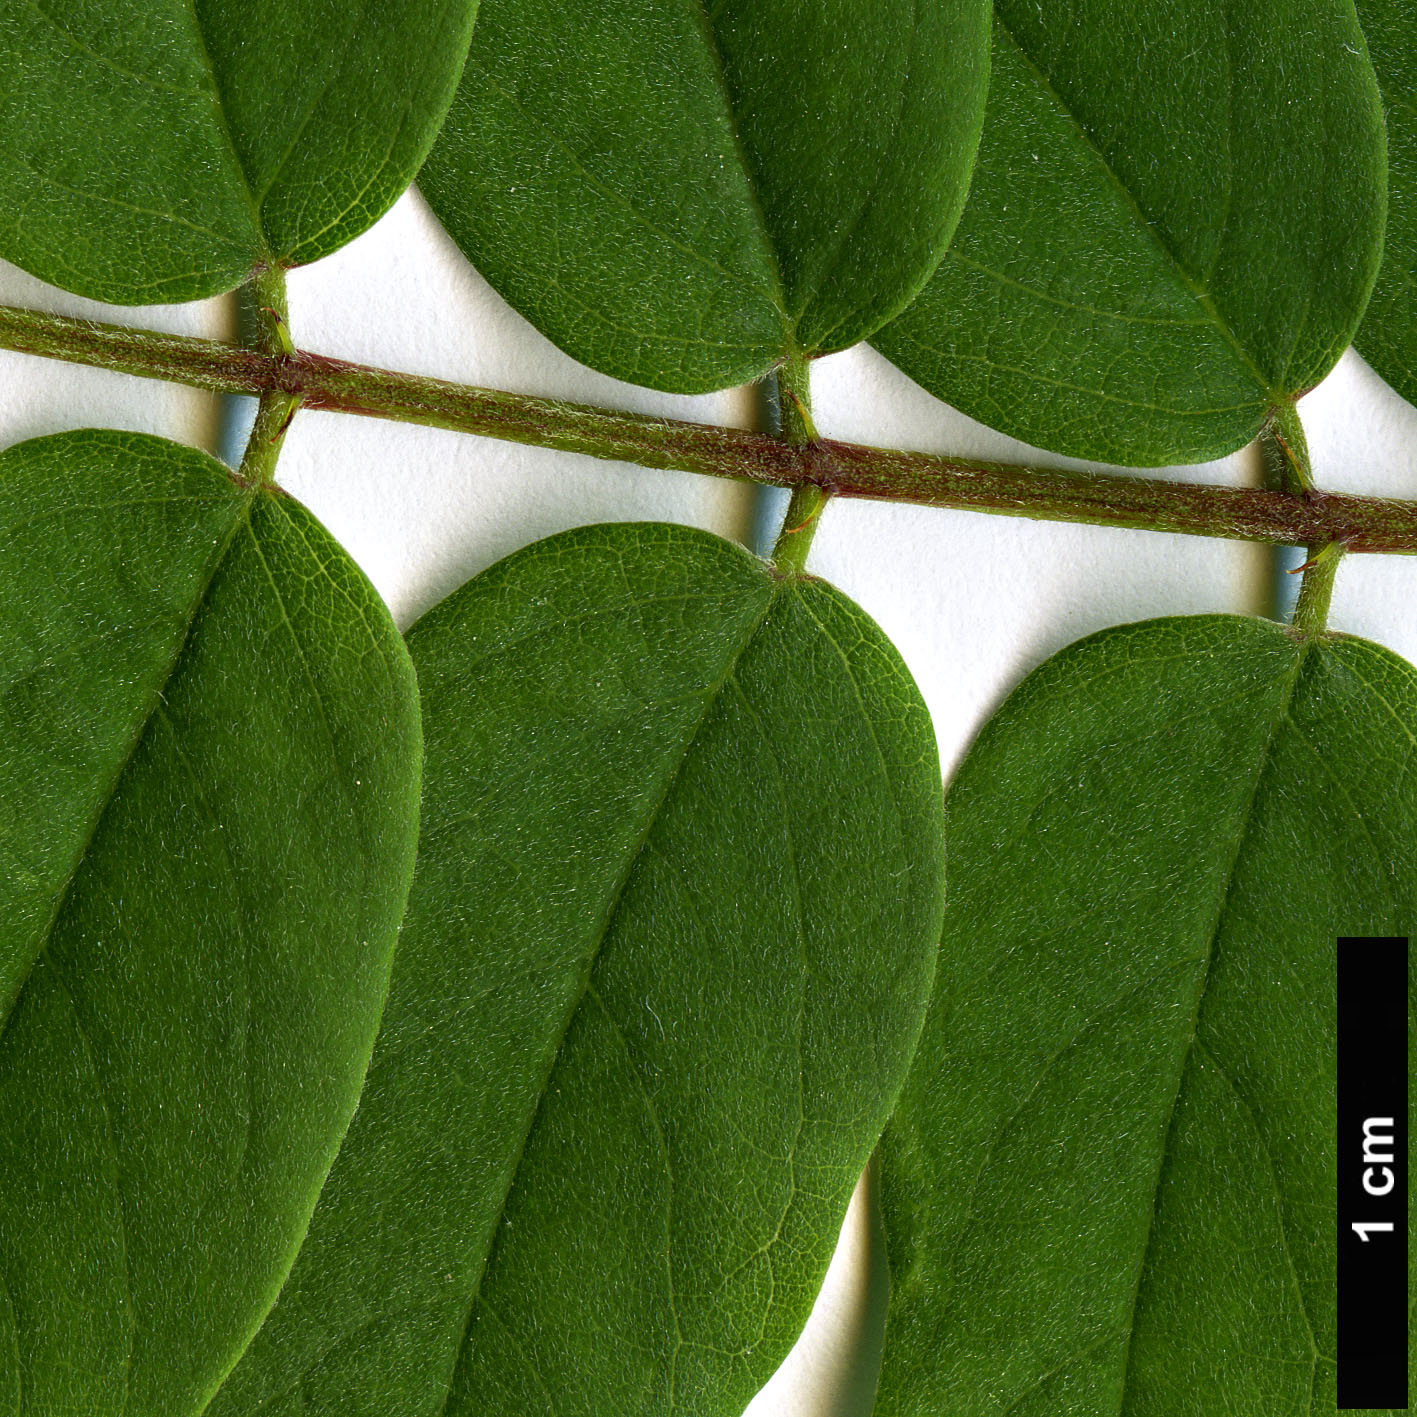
(973, 601)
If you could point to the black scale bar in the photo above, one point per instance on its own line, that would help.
(1372, 1173)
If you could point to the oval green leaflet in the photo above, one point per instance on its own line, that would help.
(667, 952)
(210, 786)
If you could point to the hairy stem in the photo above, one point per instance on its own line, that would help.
(794, 401)
(804, 509)
(1316, 590)
(1289, 468)
(272, 310)
(1363, 524)
(1287, 450)
(277, 406)
(273, 415)
(799, 526)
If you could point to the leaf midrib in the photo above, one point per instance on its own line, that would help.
(700, 11)
(254, 199)
(711, 698)
(308, 116)
(44, 933)
(619, 198)
(7, 1311)
(1202, 296)
(1263, 767)
(224, 125)
(849, 230)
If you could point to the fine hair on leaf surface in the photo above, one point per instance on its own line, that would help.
(495, 1015)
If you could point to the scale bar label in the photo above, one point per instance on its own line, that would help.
(1372, 1173)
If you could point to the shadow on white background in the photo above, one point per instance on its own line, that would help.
(972, 601)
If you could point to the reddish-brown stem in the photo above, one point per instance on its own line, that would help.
(1296, 518)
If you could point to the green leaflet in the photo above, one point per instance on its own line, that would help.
(681, 195)
(155, 150)
(1388, 339)
(1176, 222)
(209, 786)
(666, 956)
(1109, 1184)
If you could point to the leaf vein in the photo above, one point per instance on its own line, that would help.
(112, 1139)
(711, 697)
(621, 200)
(1102, 394)
(1262, 769)
(710, 36)
(139, 734)
(1192, 283)
(223, 121)
(1249, 1111)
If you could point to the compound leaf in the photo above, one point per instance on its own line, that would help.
(1109, 1185)
(210, 781)
(666, 955)
(1388, 338)
(1175, 224)
(157, 150)
(683, 195)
